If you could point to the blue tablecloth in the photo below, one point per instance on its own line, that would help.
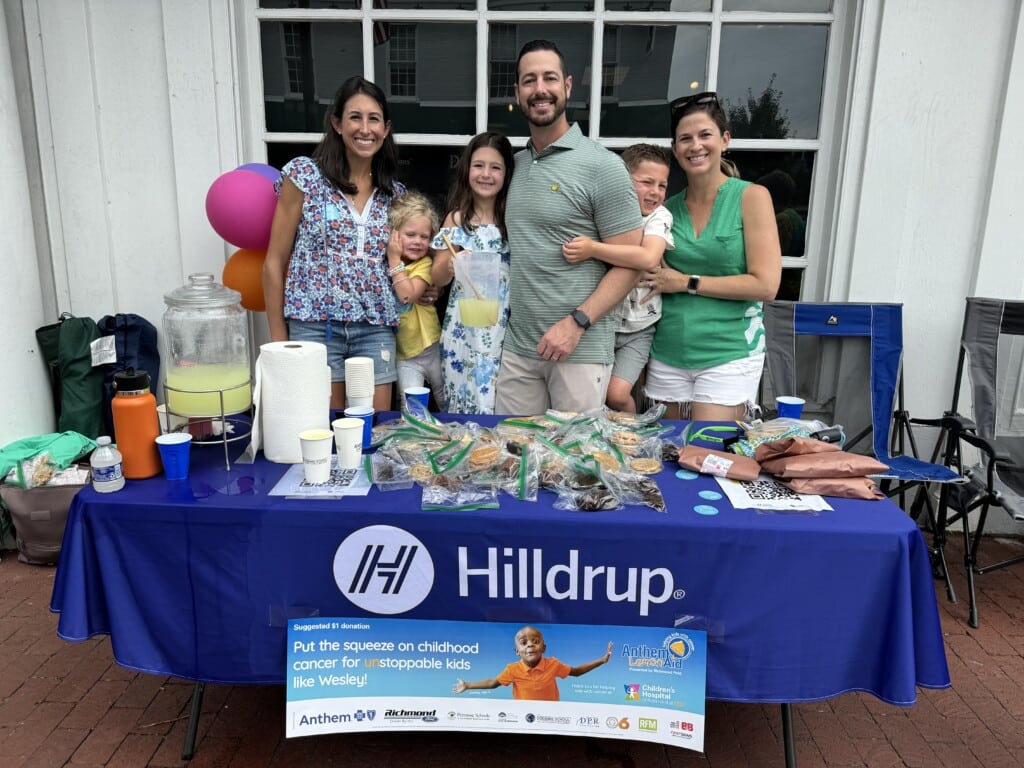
(197, 578)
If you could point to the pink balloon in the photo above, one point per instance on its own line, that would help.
(240, 206)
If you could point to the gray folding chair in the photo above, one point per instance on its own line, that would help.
(992, 356)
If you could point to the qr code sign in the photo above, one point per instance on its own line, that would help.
(340, 478)
(768, 490)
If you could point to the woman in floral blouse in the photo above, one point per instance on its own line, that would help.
(326, 277)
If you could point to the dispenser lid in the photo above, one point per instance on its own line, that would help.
(202, 291)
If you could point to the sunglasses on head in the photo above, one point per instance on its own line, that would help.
(678, 106)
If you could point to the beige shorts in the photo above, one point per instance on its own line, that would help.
(527, 386)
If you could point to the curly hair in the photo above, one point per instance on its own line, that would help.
(410, 206)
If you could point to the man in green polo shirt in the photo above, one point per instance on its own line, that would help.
(559, 346)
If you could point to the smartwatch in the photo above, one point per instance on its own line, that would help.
(693, 284)
(581, 318)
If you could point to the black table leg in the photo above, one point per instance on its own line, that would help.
(787, 735)
(193, 723)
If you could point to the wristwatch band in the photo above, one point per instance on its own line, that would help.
(581, 318)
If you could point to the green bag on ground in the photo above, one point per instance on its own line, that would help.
(81, 407)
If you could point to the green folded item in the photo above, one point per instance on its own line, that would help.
(63, 449)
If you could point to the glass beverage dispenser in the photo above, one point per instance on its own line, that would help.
(206, 337)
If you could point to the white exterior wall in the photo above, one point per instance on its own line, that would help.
(926, 163)
(25, 404)
(139, 107)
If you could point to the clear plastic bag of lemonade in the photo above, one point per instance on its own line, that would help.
(478, 276)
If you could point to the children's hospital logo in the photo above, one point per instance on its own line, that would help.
(383, 569)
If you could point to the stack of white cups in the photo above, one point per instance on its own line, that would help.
(358, 381)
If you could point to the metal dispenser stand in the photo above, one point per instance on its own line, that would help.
(233, 428)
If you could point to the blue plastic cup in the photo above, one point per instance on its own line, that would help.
(174, 450)
(789, 407)
(365, 414)
(420, 394)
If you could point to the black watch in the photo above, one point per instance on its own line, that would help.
(581, 318)
(693, 284)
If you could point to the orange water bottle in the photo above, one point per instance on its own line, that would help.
(136, 425)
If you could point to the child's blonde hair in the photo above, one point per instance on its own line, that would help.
(411, 205)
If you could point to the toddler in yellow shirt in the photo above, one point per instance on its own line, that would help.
(414, 222)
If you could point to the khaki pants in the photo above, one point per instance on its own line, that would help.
(527, 386)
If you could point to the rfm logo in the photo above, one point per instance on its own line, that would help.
(383, 569)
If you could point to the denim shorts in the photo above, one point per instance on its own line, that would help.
(351, 340)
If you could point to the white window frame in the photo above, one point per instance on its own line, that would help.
(844, 27)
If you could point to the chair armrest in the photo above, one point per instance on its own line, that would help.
(951, 421)
(987, 446)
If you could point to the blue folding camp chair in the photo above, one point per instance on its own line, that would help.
(845, 360)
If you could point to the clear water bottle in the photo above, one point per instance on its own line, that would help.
(107, 474)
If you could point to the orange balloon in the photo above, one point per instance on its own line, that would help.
(243, 271)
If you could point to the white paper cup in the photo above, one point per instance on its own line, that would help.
(316, 455)
(359, 381)
(348, 436)
(170, 422)
(358, 401)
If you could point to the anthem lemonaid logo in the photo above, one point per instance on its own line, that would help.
(507, 572)
(383, 569)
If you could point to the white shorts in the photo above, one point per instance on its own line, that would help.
(733, 383)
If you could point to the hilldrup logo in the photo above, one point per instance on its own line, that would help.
(383, 569)
(386, 570)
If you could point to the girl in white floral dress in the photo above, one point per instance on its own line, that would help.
(475, 221)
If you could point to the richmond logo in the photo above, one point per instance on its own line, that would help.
(383, 569)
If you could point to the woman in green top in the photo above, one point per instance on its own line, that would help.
(708, 349)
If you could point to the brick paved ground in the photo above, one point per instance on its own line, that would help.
(69, 704)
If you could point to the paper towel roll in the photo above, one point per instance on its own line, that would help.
(292, 393)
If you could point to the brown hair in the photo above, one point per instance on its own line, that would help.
(635, 154)
(713, 109)
(330, 154)
(460, 197)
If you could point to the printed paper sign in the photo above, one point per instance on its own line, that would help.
(380, 674)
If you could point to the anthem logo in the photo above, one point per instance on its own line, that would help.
(383, 569)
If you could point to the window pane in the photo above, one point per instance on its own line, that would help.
(541, 5)
(429, 5)
(788, 6)
(770, 79)
(656, 64)
(279, 154)
(303, 65)
(573, 40)
(787, 175)
(428, 73)
(658, 5)
(349, 5)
